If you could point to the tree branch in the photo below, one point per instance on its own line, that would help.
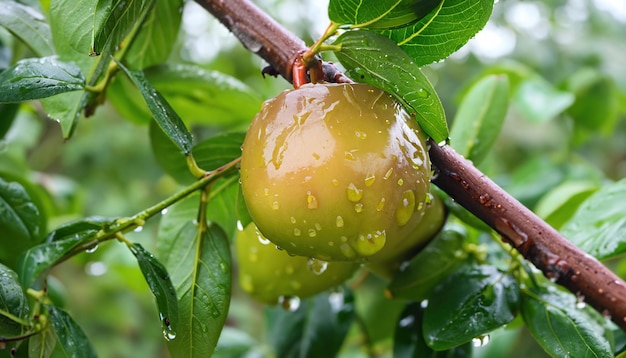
(539, 243)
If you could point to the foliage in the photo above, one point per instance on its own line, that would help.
(164, 142)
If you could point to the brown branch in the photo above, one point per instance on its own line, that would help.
(539, 243)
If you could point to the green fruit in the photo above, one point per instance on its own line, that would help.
(336, 172)
(271, 275)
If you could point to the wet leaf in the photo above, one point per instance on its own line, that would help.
(599, 225)
(70, 336)
(12, 301)
(374, 59)
(471, 302)
(200, 268)
(429, 267)
(157, 36)
(44, 344)
(316, 328)
(443, 31)
(28, 25)
(20, 219)
(479, 119)
(160, 284)
(539, 101)
(379, 14)
(61, 242)
(119, 17)
(560, 203)
(561, 327)
(164, 115)
(408, 339)
(35, 78)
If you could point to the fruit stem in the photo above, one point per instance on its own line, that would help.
(309, 56)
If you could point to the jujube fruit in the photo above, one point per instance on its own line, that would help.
(336, 172)
(269, 274)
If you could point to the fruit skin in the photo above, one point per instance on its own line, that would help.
(267, 273)
(336, 172)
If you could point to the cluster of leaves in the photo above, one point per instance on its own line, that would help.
(460, 288)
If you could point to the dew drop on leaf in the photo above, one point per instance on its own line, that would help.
(480, 341)
(316, 266)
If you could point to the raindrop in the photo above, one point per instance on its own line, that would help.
(312, 233)
(239, 225)
(318, 227)
(422, 93)
(311, 201)
(334, 182)
(275, 205)
(316, 266)
(347, 251)
(169, 334)
(358, 207)
(400, 182)
(480, 341)
(424, 303)
(266, 192)
(92, 249)
(380, 205)
(297, 232)
(354, 194)
(262, 239)
(292, 219)
(164, 211)
(388, 173)
(339, 221)
(370, 179)
(138, 229)
(405, 210)
(289, 303)
(349, 155)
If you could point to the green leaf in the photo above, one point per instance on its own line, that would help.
(29, 26)
(198, 95)
(165, 116)
(561, 327)
(429, 267)
(597, 100)
(65, 108)
(471, 302)
(446, 29)
(408, 339)
(200, 268)
(539, 101)
(61, 243)
(157, 36)
(161, 286)
(35, 78)
(70, 336)
(44, 344)
(209, 154)
(12, 301)
(234, 342)
(599, 225)
(560, 203)
(479, 119)
(379, 14)
(119, 18)
(316, 329)
(372, 58)
(8, 112)
(20, 218)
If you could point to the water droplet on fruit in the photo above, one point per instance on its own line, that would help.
(354, 194)
(380, 205)
(292, 219)
(312, 233)
(349, 155)
(262, 239)
(266, 192)
(311, 200)
(339, 221)
(400, 182)
(275, 205)
(370, 179)
(360, 135)
(480, 341)
(316, 266)
(289, 303)
(429, 199)
(297, 232)
(318, 227)
(388, 173)
(347, 251)
(334, 182)
(316, 156)
(358, 207)
(371, 243)
(406, 207)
